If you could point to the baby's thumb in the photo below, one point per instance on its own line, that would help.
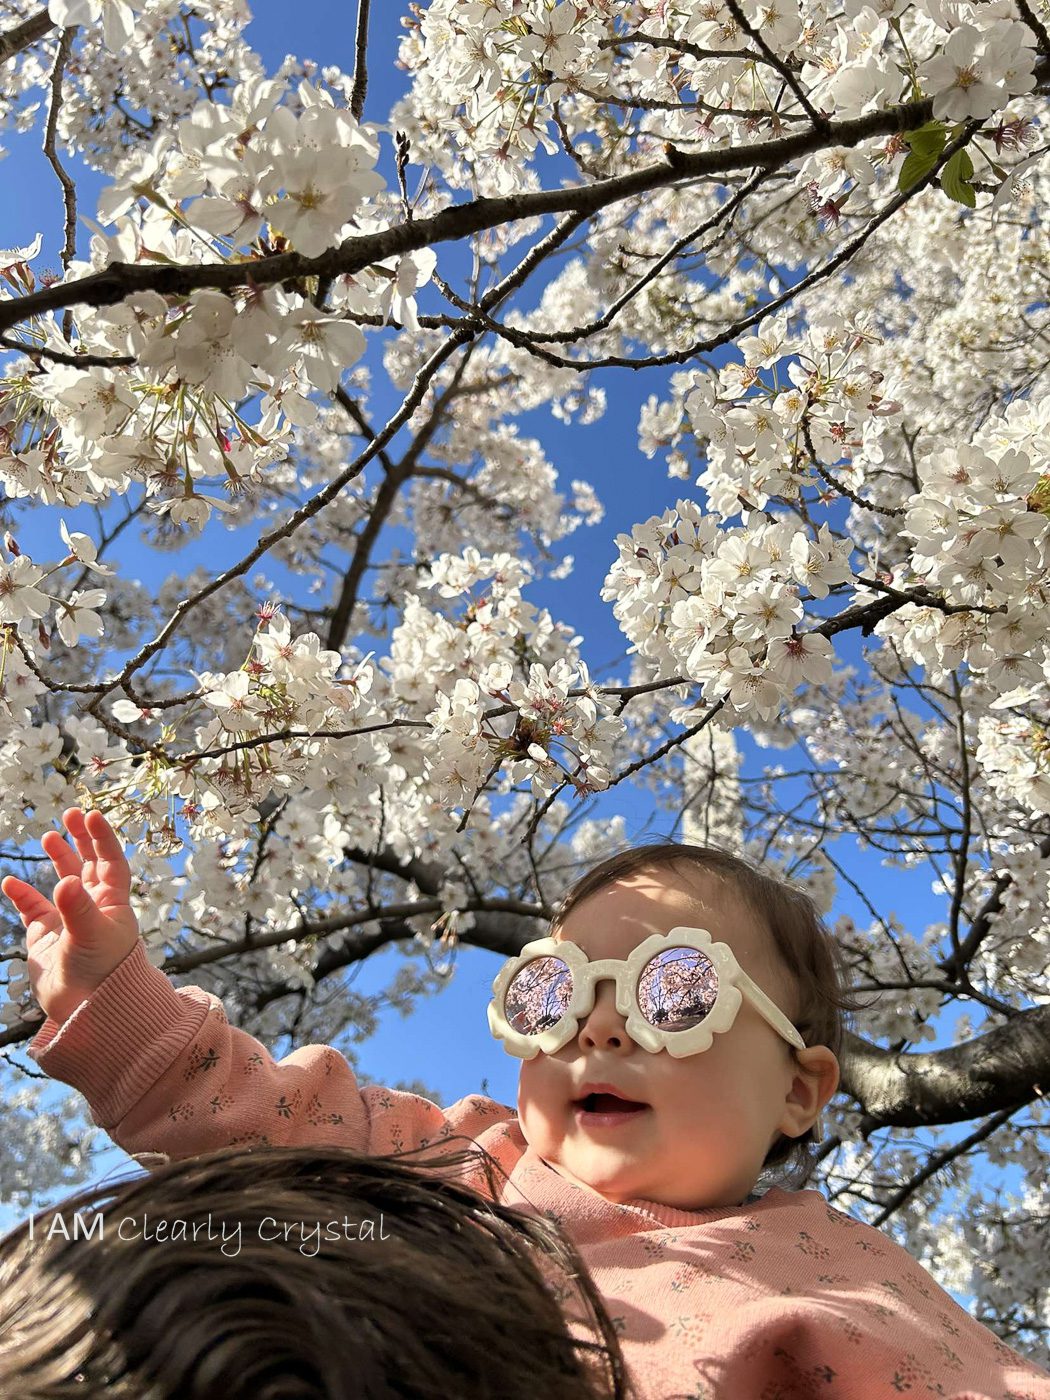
(80, 913)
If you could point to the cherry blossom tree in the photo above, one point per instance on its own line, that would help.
(821, 235)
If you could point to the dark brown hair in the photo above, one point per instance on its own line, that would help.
(811, 956)
(465, 1297)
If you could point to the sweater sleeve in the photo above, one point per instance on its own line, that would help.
(164, 1073)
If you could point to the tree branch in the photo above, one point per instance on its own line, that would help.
(819, 120)
(941, 1159)
(1003, 1069)
(69, 190)
(14, 41)
(954, 965)
(525, 341)
(305, 512)
(62, 357)
(118, 281)
(1035, 25)
(359, 84)
(660, 41)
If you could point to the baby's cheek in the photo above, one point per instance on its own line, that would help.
(536, 1104)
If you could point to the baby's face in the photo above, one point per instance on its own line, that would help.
(711, 1117)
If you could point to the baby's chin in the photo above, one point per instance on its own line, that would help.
(616, 1182)
(620, 1187)
(607, 1189)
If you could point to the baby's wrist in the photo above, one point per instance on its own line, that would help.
(61, 1007)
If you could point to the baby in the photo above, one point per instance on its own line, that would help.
(678, 1034)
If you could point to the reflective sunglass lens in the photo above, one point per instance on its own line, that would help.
(677, 989)
(538, 995)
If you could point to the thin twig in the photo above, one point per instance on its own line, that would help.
(934, 1163)
(660, 41)
(62, 357)
(823, 472)
(69, 190)
(359, 84)
(819, 120)
(722, 215)
(630, 770)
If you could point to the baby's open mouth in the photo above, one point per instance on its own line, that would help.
(609, 1103)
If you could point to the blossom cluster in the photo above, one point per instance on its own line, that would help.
(23, 601)
(552, 728)
(248, 175)
(497, 80)
(723, 606)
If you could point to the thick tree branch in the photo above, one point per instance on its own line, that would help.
(490, 931)
(1035, 25)
(14, 41)
(120, 280)
(1005, 1068)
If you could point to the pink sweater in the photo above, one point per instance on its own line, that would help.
(781, 1298)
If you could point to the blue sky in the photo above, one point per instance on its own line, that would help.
(445, 1042)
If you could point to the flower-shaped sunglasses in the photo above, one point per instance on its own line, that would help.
(676, 990)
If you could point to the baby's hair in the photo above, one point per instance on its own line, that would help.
(464, 1297)
(807, 949)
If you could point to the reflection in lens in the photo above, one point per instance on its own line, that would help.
(677, 988)
(538, 995)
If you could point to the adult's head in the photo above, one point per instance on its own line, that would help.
(299, 1274)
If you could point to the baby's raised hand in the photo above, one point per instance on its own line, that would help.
(77, 940)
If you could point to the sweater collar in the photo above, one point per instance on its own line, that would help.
(668, 1216)
(671, 1216)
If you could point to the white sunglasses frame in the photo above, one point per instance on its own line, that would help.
(733, 985)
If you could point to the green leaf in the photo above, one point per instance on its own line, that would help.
(954, 179)
(914, 168)
(927, 140)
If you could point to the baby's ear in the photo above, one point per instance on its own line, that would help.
(811, 1088)
(820, 1061)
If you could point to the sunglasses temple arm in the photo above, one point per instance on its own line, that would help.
(769, 1010)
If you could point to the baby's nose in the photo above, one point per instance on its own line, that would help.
(604, 1026)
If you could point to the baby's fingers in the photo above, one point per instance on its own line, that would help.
(37, 913)
(79, 914)
(65, 860)
(105, 869)
(74, 823)
(111, 862)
